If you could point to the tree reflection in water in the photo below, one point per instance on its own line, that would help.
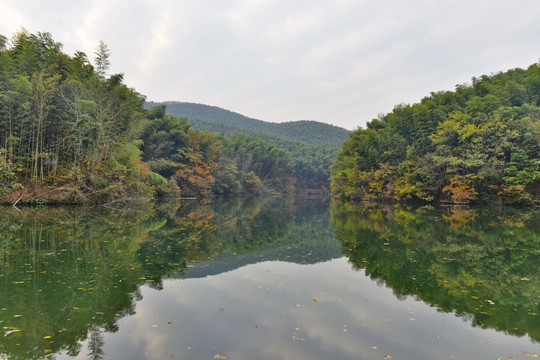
(69, 274)
(480, 263)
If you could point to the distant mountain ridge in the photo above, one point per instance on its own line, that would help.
(307, 131)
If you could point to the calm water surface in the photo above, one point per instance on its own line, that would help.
(270, 279)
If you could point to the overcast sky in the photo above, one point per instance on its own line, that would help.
(336, 61)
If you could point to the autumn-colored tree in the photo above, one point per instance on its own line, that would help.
(198, 161)
(459, 191)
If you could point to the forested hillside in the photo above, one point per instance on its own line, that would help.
(479, 143)
(313, 145)
(311, 162)
(311, 132)
(65, 125)
(72, 133)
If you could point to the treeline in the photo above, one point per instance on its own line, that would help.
(310, 132)
(69, 132)
(479, 143)
(311, 162)
(64, 122)
(313, 145)
(202, 164)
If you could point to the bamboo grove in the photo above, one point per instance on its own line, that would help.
(479, 143)
(72, 133)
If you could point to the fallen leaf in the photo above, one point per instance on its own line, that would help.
(217, 356)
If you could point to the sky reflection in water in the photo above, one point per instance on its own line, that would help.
(279, 310)
(254, 279)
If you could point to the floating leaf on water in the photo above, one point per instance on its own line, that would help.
(217, 356)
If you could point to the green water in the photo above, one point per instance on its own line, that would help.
(269, 279)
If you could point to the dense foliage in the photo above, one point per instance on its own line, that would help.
(69, 132)
(200, 163)
(64, 122)
(480, 142)
(313, 145)
(247, 164)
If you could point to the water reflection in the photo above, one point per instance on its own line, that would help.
(70, 274)
(262, 279)
(482, 263)
(66, 273)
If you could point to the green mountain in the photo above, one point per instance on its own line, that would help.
(310, 132)
(313, 145)
(479, 143)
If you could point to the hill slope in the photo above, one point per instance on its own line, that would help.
(312, 144)
(310, 132)
(479, 143)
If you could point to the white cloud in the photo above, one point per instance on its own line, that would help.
(340, 62)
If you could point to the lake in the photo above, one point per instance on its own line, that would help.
(270, 279)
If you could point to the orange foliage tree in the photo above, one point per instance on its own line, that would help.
(459, 191)
(199, 159)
